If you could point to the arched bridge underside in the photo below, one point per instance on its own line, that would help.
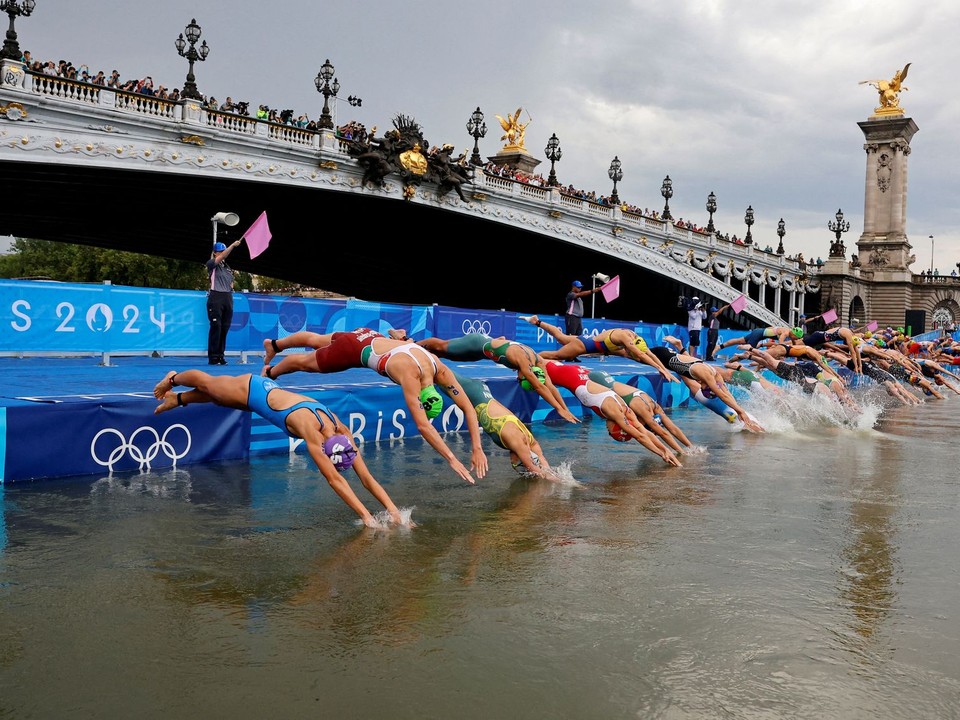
(362, 245)
(91, 167)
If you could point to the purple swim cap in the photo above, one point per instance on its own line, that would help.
(340, 451)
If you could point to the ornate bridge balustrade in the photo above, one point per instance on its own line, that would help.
(77, 122)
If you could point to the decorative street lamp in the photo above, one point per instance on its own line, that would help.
(322, 81)
(554, 153)
(615, 174)
(931, 254)
(192, 54)
(781, 231)
(748, 219)
(711, 208)
(13, 8)
(477, 129)
(837, 248)
(667, 191)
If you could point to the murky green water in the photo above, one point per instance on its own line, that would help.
(807, 573)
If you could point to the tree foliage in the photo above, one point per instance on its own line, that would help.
(66, 262)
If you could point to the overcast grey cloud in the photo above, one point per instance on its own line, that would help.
(755, 101)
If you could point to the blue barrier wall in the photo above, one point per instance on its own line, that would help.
(50, 317)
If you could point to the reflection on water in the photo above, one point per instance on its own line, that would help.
(804, 573)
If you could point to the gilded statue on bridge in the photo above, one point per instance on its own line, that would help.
(890, 92)
(514, 130)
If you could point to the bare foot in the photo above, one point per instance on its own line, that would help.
(165, 385)
(169, 403)
(268, 352)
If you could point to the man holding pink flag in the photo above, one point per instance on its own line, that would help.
(220, 293)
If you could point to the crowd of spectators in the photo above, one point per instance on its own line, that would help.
(145, 86)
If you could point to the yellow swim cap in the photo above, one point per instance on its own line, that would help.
(641, 344)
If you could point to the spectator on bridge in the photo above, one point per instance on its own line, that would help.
(219, 302)
(114, 80)
(327, 439)
(228, 105)
(573, 307)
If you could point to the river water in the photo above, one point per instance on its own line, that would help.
(810, 572)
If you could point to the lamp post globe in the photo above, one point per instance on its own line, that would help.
(748, 220)
(666, 189)
(781, 231)
(554, 153)
(13, 9)
(711, 208)
(477, 129)
(327, 89)
(192, 54)
(615, 173)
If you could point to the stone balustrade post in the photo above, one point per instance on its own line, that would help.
(13, 74)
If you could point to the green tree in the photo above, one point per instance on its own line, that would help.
(66, 262)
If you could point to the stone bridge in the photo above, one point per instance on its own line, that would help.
(86, 164)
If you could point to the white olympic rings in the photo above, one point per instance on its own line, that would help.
(475, 326)
(144, 457)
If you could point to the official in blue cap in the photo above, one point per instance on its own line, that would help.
(573, 318)
(219, 302)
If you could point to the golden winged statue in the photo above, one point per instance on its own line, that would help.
(890, 92)
(513, 130)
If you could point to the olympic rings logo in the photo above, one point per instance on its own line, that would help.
(143, 456)
(476, 326)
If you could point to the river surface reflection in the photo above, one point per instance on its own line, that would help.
(807, 573)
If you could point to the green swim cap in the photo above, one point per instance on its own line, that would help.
(541, 376)
(432, 401)
(797, 332)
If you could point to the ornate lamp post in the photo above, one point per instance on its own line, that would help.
(554, 153)
(711, 208)
(13, 8)
(477, 129)
(781, 231)
(931, 254)
(324, 86)
(667, 191)
(837, 248)
(748, 219)
(192, 54)
(615, 174)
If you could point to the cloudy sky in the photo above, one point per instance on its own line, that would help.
(755, 101)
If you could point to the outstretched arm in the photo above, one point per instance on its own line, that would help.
(339, 484)
(449, 384)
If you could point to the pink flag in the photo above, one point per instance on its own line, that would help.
(739, 304)
(829, 316)
(872, 326)
(258, 236)
(611, 289)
